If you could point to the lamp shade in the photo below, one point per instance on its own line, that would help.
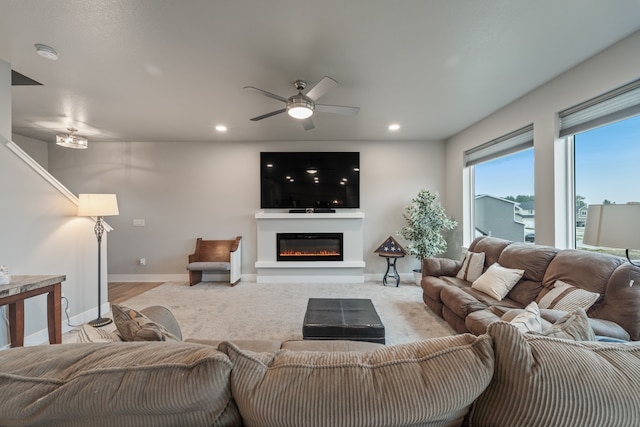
(98, 205)
(613, 226)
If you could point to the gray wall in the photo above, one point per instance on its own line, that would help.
(613, 67)
(41, 234)
(185, 190)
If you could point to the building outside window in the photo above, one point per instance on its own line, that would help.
(501, 187)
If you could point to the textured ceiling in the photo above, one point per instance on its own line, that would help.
(159, 70)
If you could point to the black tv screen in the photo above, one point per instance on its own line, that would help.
(319, 180)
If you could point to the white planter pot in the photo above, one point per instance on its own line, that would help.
(417, 274)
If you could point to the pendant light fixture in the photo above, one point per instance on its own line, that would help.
(71, 140)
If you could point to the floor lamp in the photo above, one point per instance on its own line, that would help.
(99, 206)
(613, 226)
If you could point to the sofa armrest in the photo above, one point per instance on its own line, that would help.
(164, 317)
(440, 267)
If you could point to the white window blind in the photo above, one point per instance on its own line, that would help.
(615, 105)
(513, 142)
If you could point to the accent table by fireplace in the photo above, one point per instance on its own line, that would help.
(23, 287)
(342, 319)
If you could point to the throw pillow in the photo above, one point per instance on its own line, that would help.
(528, 320)
(88, 333)
(573, 326)
(135, 326)
(472, 266)
(497, 281)
(431, 382)
(568, 298)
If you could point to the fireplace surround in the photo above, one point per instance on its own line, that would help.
(271, 270)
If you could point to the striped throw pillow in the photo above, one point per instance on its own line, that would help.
(472, 266)
(568, 298)
(528, 320)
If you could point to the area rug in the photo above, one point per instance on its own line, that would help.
(250, 310)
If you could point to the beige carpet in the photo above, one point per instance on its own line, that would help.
(275, 311)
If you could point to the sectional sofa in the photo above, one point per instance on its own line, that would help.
(500, 378)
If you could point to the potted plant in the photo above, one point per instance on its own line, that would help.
(425, 222)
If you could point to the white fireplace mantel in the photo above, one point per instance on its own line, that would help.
(350, 270)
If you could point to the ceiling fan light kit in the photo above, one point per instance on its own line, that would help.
(71, 140)
(302, 106)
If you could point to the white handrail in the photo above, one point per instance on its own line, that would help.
(46, 175)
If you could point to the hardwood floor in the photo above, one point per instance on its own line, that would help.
(122, 291)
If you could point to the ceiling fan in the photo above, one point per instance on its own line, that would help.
(302, 106)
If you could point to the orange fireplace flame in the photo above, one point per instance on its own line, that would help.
(309, 253)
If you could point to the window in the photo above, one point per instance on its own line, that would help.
(606, 163)
(503, 187)
(605, 135)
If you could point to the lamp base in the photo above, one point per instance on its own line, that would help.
(100, 321)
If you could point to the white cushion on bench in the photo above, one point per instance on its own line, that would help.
(209, 266)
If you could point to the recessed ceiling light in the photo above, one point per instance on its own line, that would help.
(394, 126)
(46, 51)
(221, 128)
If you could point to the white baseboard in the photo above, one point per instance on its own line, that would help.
(148, 277)
(211, 277)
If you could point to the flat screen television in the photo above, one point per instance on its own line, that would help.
(304, 180)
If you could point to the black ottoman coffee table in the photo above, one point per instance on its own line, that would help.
(342, 319)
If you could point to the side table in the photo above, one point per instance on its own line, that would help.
(391, 266)
(23, 287)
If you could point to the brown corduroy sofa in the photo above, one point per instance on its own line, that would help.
(501, 378)
(615, 314)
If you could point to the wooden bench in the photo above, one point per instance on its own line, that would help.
(216, 255)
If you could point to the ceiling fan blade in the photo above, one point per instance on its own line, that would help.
(307, 124)
(321, 88)
(337, 109)
(264, 116)
(265, 93)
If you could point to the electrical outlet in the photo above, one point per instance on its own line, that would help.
(142, 261)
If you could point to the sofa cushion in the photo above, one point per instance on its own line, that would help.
(135, 326)
(497, 281)
(525, 291)
(460, 301)
(330, 345)
(491, 246)
(559, 383)
(533, 259)
(585, 270)
(565, 297)
(472, 266)
(117, 384)
(430, 382)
